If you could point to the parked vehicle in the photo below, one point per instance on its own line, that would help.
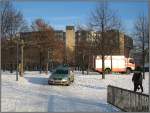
(62, 76)
(119, 64)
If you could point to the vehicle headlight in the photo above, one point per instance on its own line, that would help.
(65, 79)
(51, 79)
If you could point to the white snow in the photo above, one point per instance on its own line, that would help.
(88, 93)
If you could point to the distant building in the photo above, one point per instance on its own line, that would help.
(71, 40)
(124, 43)
(70, 44)
(60, 34)
(137, 54)
(35, 56)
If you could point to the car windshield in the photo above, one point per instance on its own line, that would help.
(131, 61)
(61, 72)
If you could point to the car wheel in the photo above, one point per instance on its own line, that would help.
(72, 80)
(128, 71)
(107, 71)
(68, 84)
(49, 83)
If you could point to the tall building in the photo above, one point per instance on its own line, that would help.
(70, 44)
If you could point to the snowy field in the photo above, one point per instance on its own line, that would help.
(88, 93)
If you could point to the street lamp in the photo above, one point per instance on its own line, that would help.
(48, 57)
(17, 36)
(47, 61)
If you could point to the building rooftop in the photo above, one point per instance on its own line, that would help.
(70, 27)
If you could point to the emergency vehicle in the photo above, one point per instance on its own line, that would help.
(118, 63)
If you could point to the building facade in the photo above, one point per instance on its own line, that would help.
(36, 57)
(70, 45)
(123, 44)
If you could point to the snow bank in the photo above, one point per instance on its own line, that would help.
(22, 81)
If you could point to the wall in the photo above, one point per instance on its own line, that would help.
(127, 100)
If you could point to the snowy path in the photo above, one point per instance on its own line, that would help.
(88, 93)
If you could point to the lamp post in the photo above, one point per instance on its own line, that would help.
(18, 36)
(48, 57)
(51, 61)
(47, 66)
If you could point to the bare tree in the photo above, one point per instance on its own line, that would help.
(82, 48)
(103, 19)
(11, 20)
(45, 39)
(141, 26)
(48, 42)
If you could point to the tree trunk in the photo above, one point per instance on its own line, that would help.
(143, 68)
(11, 68)
(111, 62)
(143, 55)
(103, 40)
(47, 68)
(88, 65)
(17, 60)
(82, 71)
(22, 59)
(103, 65)
(83, 65)
(40, 63)
(88, 69)
(47, 65)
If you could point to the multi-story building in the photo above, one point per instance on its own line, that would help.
(33, 55)
(137, 54)
(60, 34)
(122, 44)
(35, 51)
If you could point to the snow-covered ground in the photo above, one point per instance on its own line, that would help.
(88, 93)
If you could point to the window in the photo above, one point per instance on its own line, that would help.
(131, 61)
(61, 72)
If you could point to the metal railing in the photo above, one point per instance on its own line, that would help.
(127, 100)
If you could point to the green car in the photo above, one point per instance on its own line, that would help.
(62, 76)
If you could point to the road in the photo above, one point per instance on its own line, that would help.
(87, 94)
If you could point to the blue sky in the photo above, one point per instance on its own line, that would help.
(59, 14)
